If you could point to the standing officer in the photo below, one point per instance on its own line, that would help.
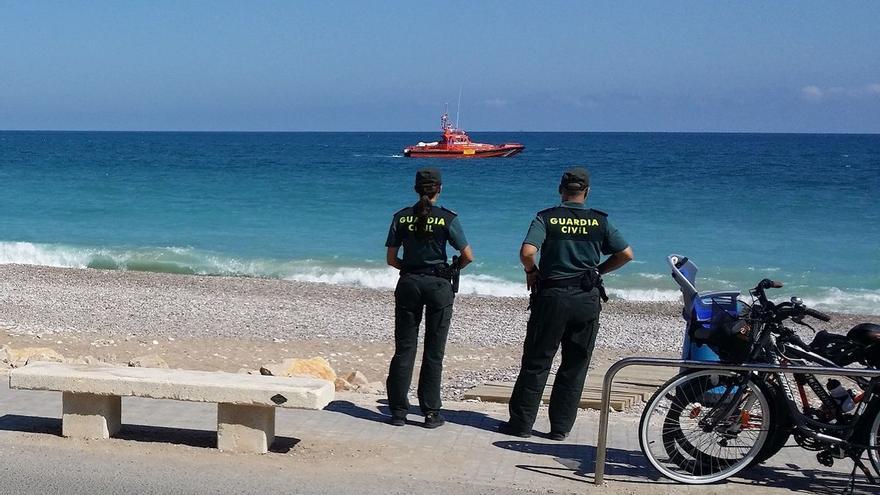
(424, 286)
(566, 286)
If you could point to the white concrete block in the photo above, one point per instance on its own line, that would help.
(89, 416)
(195, 386)
(245, 429)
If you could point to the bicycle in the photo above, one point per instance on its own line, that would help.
(705, 426)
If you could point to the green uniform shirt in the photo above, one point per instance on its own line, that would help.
(444, 227)
(572, 239)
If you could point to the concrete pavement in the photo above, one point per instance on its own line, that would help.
(167, 447)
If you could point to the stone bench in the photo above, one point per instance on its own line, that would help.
(92, 398)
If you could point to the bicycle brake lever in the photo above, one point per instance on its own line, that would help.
(800, 321)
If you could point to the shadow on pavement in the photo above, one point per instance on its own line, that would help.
(799, 480)
(137, 433)
(383, 415)
(356, 411)
(30, 424)
(579, 460)
(631, 467)
(473, 419)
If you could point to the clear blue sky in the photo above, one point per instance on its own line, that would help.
(770, 66)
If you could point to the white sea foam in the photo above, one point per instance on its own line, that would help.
(189, 260)
(26, 253)
(386, 278)
(646, 295)
(857, 301)
(372, 278)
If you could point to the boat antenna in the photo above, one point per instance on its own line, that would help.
(458, 112)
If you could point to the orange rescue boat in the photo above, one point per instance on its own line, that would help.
(455, 143)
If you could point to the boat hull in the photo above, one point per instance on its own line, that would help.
(505, 150)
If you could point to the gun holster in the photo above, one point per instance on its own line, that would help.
(450, 272)
(591, 279)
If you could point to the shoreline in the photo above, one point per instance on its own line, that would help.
(234, 323)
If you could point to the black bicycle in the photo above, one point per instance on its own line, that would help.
(705, 426)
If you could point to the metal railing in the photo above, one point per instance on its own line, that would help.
(601, 446)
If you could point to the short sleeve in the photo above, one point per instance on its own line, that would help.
(537, 233)
(614, 241)
(457, 238)
(393, 239)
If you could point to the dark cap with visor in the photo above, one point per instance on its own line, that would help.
(576, 178)
(428, 177)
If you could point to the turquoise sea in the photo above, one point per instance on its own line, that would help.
(804, 209)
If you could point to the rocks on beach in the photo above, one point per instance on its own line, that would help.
(358, 382)
(148, 361)
(316, 367)
(16, 358)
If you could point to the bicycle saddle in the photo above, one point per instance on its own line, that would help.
(840, 349)
(867, 334)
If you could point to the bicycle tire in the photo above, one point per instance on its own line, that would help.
(693, 470)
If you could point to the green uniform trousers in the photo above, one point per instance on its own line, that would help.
(414, 295)
(567, 316)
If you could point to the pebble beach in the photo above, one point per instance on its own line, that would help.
(239, 323)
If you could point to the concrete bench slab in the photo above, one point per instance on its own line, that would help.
(246, 403)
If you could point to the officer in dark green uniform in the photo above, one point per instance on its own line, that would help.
(424, 287)
(566, 289)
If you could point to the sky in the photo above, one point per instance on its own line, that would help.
(745, 66)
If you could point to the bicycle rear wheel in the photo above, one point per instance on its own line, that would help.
(705, 426)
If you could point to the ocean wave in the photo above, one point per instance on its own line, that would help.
(646, 295)
(386, 278)
(187, 260)
(858, 301)
(190, 261)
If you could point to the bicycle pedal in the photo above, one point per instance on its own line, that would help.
(825, 458)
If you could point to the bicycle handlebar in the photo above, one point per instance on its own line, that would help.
(770, 284)
(817, 314)
(785, 310)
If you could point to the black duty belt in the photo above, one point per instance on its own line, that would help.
(427, 270)
(450, 272)
(587, 281)
(553, 283)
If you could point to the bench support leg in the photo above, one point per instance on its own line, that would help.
(88, 416)
(245, 429)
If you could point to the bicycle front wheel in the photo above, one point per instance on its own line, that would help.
(705, 426)
(874, 439)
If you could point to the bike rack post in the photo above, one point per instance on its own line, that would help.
(601, 444)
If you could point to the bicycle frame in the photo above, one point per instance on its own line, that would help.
(803, 423)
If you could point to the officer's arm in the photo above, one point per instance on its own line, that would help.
(534, 238)
(391, 257)
(459, 241)
(527, 254)
(616, 261)
(467, 256)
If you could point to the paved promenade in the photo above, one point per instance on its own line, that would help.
(167, 447)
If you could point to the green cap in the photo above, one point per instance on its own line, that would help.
(428, 177)
(575, 178)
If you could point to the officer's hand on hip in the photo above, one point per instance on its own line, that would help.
(532, 279)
